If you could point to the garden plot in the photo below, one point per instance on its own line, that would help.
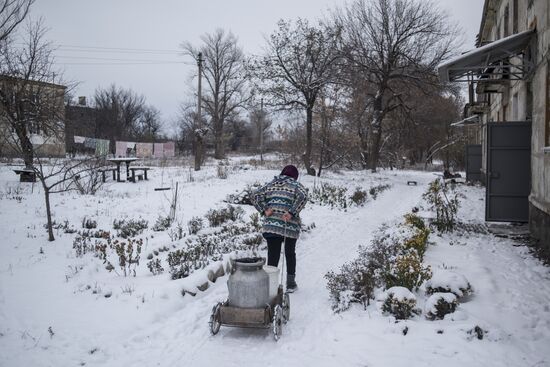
(60, 307)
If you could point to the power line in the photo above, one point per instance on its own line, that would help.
(120, 49)
(113, 59)
(119, 63)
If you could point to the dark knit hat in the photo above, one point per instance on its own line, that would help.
(290, 171)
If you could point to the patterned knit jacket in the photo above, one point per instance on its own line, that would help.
(283, 194)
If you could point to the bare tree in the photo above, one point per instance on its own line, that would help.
(31, 94)
(148, 124)
(395, 45)
(223, 69)
(189, 131)
(297, 64)
(63, 175)
(119, 112)
(261, 125)
(12, 13)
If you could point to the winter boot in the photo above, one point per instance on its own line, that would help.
(291, 285)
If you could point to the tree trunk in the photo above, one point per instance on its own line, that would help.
(309, 132)
(218, 139)
(198, 151)
(375, 134)
(48, 213)
(27, 150)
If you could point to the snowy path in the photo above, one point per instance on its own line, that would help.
(313, 336)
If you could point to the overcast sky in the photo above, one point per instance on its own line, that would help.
(94, 37)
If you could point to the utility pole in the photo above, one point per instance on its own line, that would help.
(262, 131)
(198, 126)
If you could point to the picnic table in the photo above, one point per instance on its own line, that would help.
(119, 161)
(25, 174)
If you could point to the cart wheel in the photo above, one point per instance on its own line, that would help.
(215, 319)
(286, 307)
(277, 322)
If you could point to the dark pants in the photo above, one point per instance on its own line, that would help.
(274, 252)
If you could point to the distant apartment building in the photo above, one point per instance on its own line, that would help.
(80, 120)
(38, 109)
(509, 82)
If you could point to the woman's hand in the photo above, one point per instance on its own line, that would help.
(268, 212)
(287, 216)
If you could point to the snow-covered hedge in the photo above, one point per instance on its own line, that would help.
(444, 202)
(408, 271)
(400, 302)
(440, 304)
(391, 260)
(337, 196)
(446, 281)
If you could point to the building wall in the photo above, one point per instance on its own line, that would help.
(539, 199)
(81, 121)
(51, 109)
(532, 101)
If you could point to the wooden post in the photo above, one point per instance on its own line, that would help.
(198, 125)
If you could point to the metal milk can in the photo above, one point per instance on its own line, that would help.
(248, 283)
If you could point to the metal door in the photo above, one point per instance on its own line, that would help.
(508, 171)
(473, 163)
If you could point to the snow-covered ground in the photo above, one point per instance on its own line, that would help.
(53, 309)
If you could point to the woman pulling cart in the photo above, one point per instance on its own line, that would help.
(280, 202)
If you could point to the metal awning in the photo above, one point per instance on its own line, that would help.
(487, 60)
(472, 120)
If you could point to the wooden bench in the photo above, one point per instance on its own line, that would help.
(139, 176)
(108, 169)
(25, 174)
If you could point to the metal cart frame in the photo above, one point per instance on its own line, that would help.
(273, 315)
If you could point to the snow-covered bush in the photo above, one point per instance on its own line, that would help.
(162, 224)
(329, 195)
(357, 280)
(416, 236)
(128, 255)
(354, 283)
(83, 245)
(400, 302)
(393, 259)
(445, 281)
(255, 221)
(87, 242)
(217, 217)
(129, 228)
(375, 190)
(200, 250)
(195, 225)
(359, 197)
(89, 223)
(440, 304)
(155, 266)
(445, 205)
(244, 196)
(407, 271)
